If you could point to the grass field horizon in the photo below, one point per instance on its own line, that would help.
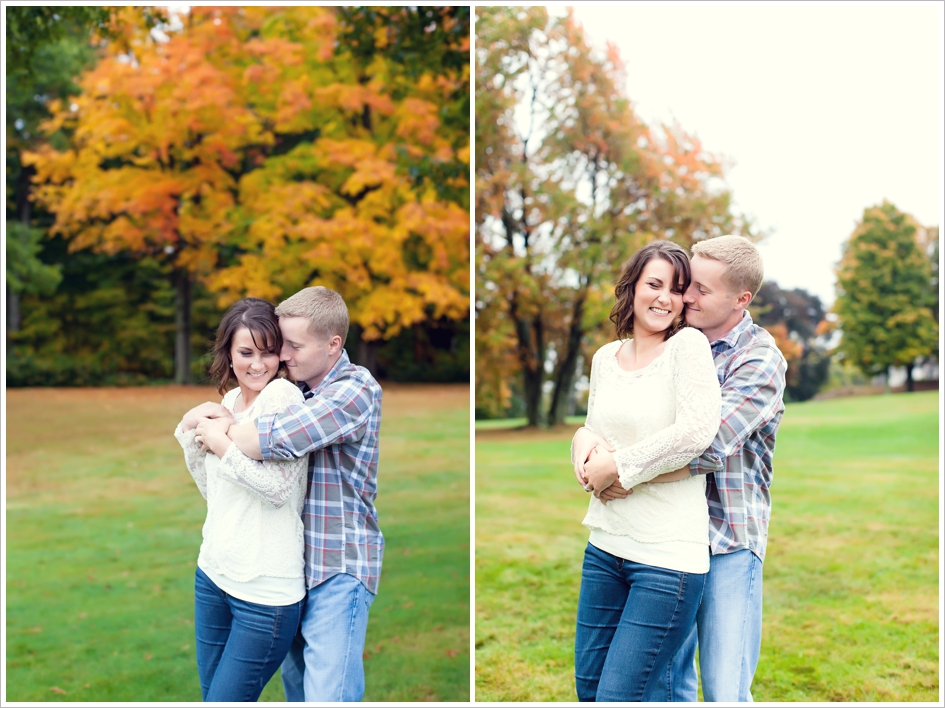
(851, 584)
(103, 526)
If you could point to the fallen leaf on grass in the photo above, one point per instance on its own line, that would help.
(36, 630)
(452, 652)
(56, 689)
(185, 647)
(408, 605)
(148, 657)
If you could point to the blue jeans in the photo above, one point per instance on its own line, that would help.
(727, 633)
(239, 644)
(631, 620)
(325, 661)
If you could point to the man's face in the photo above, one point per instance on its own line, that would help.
(307, 356)
(711, 306)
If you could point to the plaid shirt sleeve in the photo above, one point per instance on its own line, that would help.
(338, 414)
(751, 398)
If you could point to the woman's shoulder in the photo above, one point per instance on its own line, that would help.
(690, 338)
(283, 389)
(229, 398)
(608, 349)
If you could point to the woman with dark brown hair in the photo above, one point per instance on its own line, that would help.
(250, 584)
(654, 405)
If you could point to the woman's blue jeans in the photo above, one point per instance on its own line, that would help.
(239, 644)
(631, 620)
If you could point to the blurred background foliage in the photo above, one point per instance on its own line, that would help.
(161, 166)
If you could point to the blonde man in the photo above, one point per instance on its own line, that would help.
(726, 274)
(337, 427)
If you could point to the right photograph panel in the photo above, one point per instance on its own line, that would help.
(706, 361)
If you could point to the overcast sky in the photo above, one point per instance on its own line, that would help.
(825, 109)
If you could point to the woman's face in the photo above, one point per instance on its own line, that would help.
(657, 298)
(253, 367)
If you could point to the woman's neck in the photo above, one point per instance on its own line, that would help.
(646, 342)
(247, 398)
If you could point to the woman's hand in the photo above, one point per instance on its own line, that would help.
(600, 470)
(204, 410)
(211, 434)
(582, 445)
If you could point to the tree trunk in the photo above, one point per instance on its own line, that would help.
(564, 376)
(13, 313)
(910, 384)
(531, 355)
(367, 355)
(182, 374)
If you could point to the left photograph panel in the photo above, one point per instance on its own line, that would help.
(237, 354)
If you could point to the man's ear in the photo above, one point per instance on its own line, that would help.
(334, 344)
(744, 300)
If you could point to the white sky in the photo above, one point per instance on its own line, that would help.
(825, 109)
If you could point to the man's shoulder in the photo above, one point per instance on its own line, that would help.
(756, 345)
(358, 376)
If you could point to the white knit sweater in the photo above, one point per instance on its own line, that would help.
(657, 418)
(254, 525)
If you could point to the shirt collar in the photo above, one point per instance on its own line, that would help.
(731, 337)
(332, 374)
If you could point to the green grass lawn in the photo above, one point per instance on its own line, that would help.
(103, 525)
(851, 592)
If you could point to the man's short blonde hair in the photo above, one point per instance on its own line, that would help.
(325, 309)
(745, 270)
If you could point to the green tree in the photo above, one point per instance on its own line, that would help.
(884, 300)
(800, 314)
(45, 50)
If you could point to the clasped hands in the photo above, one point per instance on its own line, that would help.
(595, 468)
(210, 423)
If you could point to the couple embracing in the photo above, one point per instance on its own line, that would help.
(676, 450)
(291, 552)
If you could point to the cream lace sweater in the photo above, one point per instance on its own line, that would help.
(657, 418)
(254, 524)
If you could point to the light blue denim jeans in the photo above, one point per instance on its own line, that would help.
(324, 663)
(631, 620)
(727, 634)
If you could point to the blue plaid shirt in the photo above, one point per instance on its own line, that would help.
(338, 427)
(751, 371)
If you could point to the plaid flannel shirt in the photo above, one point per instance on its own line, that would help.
(338, 427)
(751, 371)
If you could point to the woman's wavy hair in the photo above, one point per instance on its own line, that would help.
(622, 314)
(259, 317)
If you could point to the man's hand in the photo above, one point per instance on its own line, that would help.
(204, 410)
(600, 470)
(211, 434)
(674, 476)
(246, 437)
(583, 443)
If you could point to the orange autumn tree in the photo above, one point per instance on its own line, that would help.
(156, 136)
(199, 146)
(343, 209)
